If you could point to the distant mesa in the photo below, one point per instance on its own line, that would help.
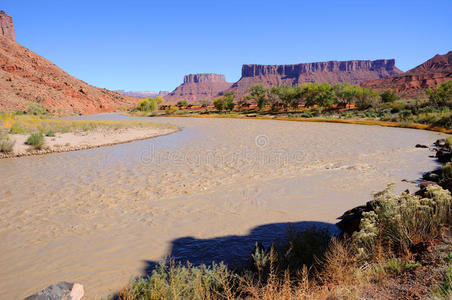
(7, 26)
(414, 82)
(25, 76)
(199, 86)
(353, 71)
(142, 94)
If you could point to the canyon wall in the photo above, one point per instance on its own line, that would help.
(353, 71)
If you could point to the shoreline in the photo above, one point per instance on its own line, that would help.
(155, 132)
(417, 126)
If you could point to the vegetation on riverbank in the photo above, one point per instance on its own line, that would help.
(402, 249)
(38, 130)
(334, 103)
(18, 123)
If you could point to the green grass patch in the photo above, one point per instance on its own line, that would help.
(36, 140)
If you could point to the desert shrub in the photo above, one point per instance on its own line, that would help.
(446, 171)
(389, 96)
(175, 281)
(449, 141)
(403, 220)
(50, 133)
(36, 140)
(17, 128)
(6, 143)
(182, 102)
(35, 108)
(441, 95)
(171, 109)
(149, 104)
(444, 291)
(394, 266)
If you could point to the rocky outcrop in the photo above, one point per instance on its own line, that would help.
(354, 71)
(60, 291)
(26, 76)
(199, 86)
(416, 81)
(7, 26)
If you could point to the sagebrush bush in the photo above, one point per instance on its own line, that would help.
(6, 143)
(403, 220)
(36, 140)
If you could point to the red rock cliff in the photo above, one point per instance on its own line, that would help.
(6, 26)
(199, 86)
(414, 82)
(25, 76)
(354, 71)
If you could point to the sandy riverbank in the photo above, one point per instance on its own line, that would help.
(81, 140)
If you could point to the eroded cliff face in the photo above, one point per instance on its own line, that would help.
(199, 86)
(7, 26)
(25, 76)
(416, 81)
(353, 71)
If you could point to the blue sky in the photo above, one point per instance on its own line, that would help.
(151, 45)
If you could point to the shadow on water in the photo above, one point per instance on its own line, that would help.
(233, 250)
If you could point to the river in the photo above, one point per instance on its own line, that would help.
(206, 193)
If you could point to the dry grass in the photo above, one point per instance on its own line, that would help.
(27, 124)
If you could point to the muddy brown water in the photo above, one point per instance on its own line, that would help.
(204, 194)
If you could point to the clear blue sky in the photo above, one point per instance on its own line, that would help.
(151, 45)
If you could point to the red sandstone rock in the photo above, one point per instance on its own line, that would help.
(199, 86)
(414, 82)
(354, 71)
(26, 76)
(6, 26)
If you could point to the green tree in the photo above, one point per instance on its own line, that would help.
(441, 95)
(229, 100)
(346, 93)
(287, 95)
(319, 94)
(219, 103)
(389, 96)
(182, 102)
(365, 98)
(259, 93)
(225, 102)
(149, 104)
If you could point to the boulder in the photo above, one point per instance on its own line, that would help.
(423, 187)
(421, 146)
(60, 291)
(447, 184)
(444, 155)
(431, 176)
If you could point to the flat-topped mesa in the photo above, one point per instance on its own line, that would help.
(7, 26)
(199, 87)
(207, 77)
(380, 66)
(352, 71)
